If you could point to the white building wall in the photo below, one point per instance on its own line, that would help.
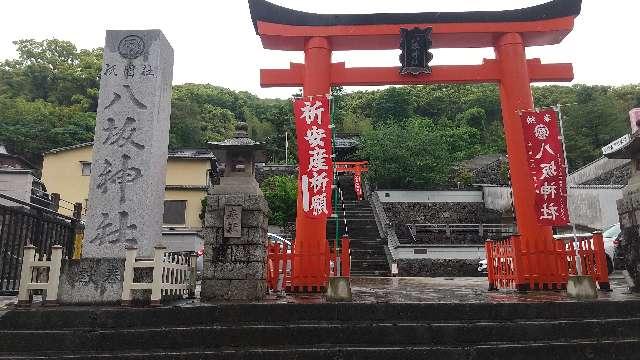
(592, 206)
(17, 184)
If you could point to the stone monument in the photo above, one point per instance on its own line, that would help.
(236, 220)
(126, 193)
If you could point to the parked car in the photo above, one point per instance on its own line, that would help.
(482, 266)
(612, 237)
(609, 247)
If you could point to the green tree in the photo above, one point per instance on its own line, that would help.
(418, 153)
(281, 193)
(53, 70)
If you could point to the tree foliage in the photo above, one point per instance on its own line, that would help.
(417, 153)
(281, 193)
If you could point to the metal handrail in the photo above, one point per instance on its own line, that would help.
(37, 207)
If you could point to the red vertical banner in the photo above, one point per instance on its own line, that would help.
(312, 116)
(545, 156)
(357, 184)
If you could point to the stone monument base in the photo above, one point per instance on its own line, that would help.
(98, 281)
(339, 289)
(582, 287)
(91, 281)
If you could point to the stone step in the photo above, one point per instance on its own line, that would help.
(625, 348)
(307, 334)
(65, 318)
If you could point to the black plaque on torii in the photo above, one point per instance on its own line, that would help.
(415, 45)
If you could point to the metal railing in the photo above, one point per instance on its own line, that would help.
(448, 229)
(22, 224)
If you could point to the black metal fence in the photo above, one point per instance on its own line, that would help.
(22, 223)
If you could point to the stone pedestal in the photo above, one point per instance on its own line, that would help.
(91, 281)
(582, 287)
(234, 267)
(339, 289)
(629, 211)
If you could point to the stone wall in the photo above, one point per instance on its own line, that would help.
(600, 172)
(617, 176)
(495, 173)
(267, 170)
(440, 213)
(400, 214)
(438, 267)
(629, 210)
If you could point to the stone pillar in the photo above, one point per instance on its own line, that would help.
(629, 212)
(234, 267)
(126, 193)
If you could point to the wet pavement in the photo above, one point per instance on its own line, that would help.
(464, 290)
(429, 290)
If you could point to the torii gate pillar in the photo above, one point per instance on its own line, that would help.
(515, 96)
(311, 243)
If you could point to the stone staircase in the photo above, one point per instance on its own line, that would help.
(457, 331)
(368, 256)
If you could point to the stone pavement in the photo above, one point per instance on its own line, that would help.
(430, 290)
(450, 289)
(5, 300)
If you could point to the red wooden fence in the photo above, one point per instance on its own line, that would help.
(509, 266)
(281, 262)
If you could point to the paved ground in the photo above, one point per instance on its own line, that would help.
(449, 289)
(441, 289)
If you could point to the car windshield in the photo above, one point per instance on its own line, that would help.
(612, 232)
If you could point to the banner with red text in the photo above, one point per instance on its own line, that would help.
(312, 116)
(545, 156)
(357, 184)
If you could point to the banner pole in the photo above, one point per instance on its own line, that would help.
(576, 244)
(335, 191)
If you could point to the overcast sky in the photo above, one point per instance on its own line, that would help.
(214, 40)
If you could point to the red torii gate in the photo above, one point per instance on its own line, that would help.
(356, 168)
(508, 32)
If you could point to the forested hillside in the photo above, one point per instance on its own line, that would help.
(413, 135)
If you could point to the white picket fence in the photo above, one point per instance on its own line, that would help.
(174, 274)
(32, 272)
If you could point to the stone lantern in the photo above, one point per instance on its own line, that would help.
(239, 155)
(235, 228)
